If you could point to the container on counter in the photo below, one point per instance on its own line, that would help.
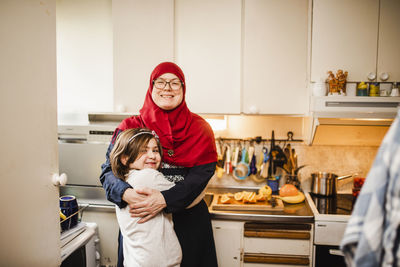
(395, 90)
(385, 89)
(374, 89)
(273, 182)
(319, 88)
(69, 207)
(362, 89)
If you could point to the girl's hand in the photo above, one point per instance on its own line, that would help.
(152, 204)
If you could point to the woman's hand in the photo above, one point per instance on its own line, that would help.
(131, 197)
(151, 203)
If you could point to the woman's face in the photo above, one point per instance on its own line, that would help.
(149, 157)
(167, 98)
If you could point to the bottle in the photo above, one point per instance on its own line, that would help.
(395, 90)
(374, 89)
(362, 89)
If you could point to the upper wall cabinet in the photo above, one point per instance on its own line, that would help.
(275, 57)
(389, 40)
(143, 37)
(208, 48)
(359, 36)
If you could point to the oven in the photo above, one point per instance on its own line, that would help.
(331, 215)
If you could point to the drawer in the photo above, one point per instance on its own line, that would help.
(271, 265)
(277, 246)
(269, 260)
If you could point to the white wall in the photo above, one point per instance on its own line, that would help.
(84, 58)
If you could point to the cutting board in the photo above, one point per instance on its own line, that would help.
(240, 206)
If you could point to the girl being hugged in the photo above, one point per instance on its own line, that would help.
(136, 158)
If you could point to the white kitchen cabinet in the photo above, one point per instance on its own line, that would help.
(143, 37)
(275, 57)
(359, 36)
(30, 222)
(208, 48)
(228, 236)
(389, 40)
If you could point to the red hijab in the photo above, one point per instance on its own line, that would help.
(186, 138)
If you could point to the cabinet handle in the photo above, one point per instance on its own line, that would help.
(384, 76)
(277, 234)
(371, 76)
(336, 252)
(274, 258)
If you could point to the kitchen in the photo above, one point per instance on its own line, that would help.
(111, 64)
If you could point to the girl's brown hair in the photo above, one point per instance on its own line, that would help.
(125, 145)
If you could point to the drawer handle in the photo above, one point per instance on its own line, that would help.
(277, 259)
(278, 234)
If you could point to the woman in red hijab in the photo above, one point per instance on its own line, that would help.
(189, 160)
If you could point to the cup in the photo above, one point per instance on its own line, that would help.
(319, 89)
(273, 183)
(351, 89)
(69, 206)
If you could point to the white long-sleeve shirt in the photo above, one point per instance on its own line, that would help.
(153, 243)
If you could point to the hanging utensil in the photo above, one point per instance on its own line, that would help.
(242, 169)
(278, 156)
(264, 166)
(228, 165)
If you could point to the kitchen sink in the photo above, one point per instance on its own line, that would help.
(208, 198)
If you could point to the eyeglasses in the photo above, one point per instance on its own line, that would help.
(173, 84)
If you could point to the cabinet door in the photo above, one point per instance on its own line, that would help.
(30, 225)
(344, 36)
(275, 57)
(228, 242)
(389, 40)
(143, 37)
(208, 45)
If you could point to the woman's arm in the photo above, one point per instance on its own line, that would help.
(117, 191)
(186, 191)
(176, 198)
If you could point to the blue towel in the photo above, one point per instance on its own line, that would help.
(372, 236)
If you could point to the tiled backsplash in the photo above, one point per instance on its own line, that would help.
(341, 160)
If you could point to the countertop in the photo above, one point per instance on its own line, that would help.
(292, 213)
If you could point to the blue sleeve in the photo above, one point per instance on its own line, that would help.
(186, 191)
(113, 186)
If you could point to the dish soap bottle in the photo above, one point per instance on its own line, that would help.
(374, 89)
(362, 89)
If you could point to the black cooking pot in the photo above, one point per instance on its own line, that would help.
(325, 183)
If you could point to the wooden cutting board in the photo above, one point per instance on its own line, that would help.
(240, 206)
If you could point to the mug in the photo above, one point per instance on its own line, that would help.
(69, 206)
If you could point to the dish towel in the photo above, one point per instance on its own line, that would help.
(372, 236)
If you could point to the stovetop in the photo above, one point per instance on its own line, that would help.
(341, 204)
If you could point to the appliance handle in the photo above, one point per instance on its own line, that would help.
(336, 252)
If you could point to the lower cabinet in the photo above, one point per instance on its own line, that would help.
(251, 244)
(228, 236)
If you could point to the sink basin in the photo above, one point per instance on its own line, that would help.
(208, 198)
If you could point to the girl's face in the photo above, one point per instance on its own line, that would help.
(149, 157)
